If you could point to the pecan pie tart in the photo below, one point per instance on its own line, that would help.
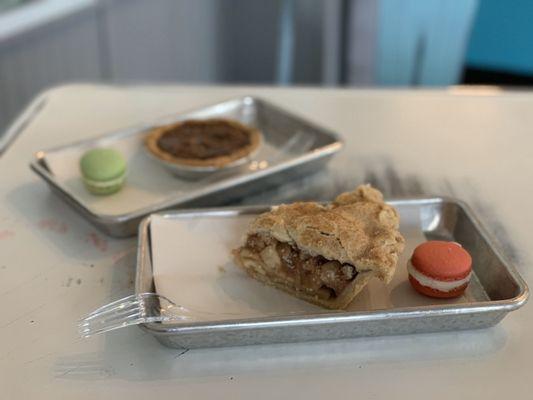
(324, 254)
(203, 143)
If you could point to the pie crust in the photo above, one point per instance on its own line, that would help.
(203, 143)
(306, 248)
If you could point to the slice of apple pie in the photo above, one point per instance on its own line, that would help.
(324, 254)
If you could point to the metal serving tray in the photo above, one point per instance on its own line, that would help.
(496, 289)
(292, 147)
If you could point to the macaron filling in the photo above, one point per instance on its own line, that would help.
(442, 286)
(104, 184)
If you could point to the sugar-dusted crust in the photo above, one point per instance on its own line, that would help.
(152, 139)
(358, 228)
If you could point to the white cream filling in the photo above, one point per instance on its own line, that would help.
(105, 184)
(443, 286)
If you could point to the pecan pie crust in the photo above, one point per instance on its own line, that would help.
(203, 143)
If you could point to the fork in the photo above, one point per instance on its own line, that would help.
(132, 310)
(143, 308)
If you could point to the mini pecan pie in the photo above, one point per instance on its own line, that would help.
(203, 143)
(324, 254)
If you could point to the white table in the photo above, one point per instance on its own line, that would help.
(54, 266)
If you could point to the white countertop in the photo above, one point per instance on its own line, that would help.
(55, 267)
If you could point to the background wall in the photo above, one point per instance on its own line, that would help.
(423, 42)
(502, 37)
(334, 42)
(201, 41)
(164, 40)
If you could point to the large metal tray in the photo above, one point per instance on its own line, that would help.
(292, 147)
(496, 288)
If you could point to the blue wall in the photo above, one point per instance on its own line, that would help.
(502, 36)
(423, 42)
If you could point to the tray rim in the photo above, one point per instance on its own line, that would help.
(37, 163)
(506, 305)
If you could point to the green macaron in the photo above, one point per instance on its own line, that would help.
(103, 170)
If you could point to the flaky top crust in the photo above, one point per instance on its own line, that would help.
(358, 228)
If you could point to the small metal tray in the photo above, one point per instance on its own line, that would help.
(496, 289)
(291, 147)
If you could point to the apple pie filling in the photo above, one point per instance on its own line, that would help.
(313, 274)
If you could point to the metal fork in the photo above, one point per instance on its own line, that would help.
(132, 310)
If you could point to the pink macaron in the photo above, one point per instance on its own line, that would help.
(440, 269)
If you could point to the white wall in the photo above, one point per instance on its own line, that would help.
(151, 40)
(65, 50)
(162, 40)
